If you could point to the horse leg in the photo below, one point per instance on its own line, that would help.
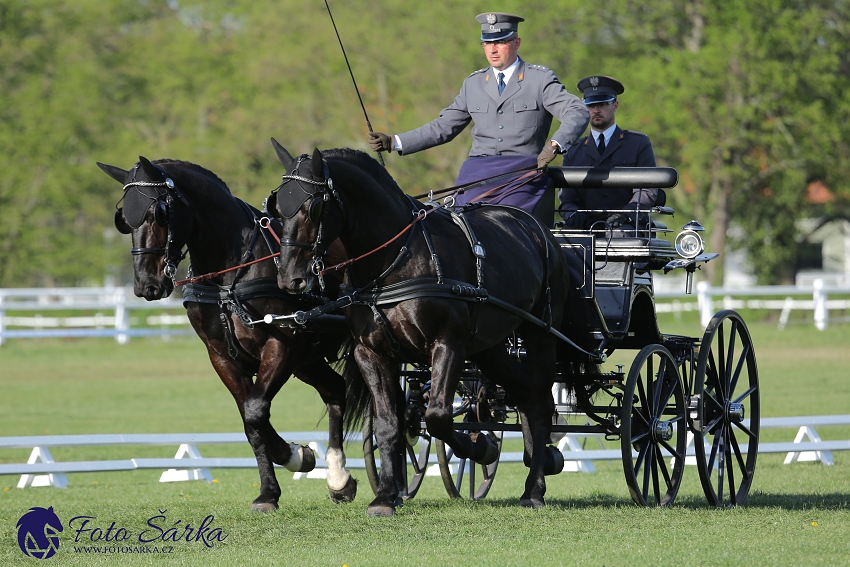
(382, 376)
(446, 366)
(331, 387)
(536, 410)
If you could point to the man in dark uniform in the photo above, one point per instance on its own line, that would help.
(511, 104)
(606, 146)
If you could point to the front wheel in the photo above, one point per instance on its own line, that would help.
(653, 432)
(725, 410)
(417, 460)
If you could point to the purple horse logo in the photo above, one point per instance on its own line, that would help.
(38, 533)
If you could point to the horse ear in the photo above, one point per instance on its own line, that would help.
(283, 155)
(115, 173)
(318, 166)
(150, 170)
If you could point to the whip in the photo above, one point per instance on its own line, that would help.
(368, 124)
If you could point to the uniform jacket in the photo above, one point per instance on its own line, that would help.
(515, 123)
(626, 148)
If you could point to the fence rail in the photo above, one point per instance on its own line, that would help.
(188, 463)
(32, 313)
(106, 311)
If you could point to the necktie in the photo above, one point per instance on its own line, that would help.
(601, 145)
(501, 83)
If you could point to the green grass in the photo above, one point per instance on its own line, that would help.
(796, 515)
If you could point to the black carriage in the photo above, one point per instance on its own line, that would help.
(682, 398)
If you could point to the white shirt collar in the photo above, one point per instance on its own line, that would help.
(607, 133)
(508, 72)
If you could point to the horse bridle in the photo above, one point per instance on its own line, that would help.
(163, 216)
(321, 193)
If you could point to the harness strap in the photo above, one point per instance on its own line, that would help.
(477, 248)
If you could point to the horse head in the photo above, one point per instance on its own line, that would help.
(311, 216)
(156, 214)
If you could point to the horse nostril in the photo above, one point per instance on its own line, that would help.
(297, 285)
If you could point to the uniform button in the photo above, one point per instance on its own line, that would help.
(501, 112)
(524, 106)
(477, 108)
(501, 126)
(498, 153)
(500, 139)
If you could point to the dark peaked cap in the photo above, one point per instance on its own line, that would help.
(498, 25)
(599, 88)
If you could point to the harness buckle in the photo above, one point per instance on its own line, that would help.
(170, 269)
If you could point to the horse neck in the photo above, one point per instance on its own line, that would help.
(374, 216)
(222, 229)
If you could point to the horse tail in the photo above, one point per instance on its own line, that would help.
(358, 397)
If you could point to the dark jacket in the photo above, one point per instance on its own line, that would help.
(626, 148)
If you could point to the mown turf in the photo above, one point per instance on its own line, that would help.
(796, 515)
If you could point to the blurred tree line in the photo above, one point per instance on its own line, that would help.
(746, 98)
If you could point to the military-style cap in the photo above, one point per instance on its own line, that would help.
(498, 25)
(599, 88)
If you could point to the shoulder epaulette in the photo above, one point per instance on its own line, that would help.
(635, 133)
(538, 67)
(479, 71)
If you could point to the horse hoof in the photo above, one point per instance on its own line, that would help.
(346, 494)
(531, 503)
(263, 507)
(491, 450)
(554, 461)
(380, 511)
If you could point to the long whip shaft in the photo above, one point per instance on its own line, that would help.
(350, 72)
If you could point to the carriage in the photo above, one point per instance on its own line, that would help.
(470, 388)
(679, 392)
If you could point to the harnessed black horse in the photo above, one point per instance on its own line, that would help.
(418, 276)
(170, 204)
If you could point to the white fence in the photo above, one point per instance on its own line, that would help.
(107, 311)
(709, 301)
(104, 312)
(188, 463)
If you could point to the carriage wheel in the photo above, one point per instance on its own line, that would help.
(416, 459)
(726, 392)
(458, 472)
(653, 433)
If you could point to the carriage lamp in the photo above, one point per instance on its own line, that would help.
(689, 243)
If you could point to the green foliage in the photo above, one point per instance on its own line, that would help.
(746, 99)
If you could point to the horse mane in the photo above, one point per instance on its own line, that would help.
(365, 162)
(196, 169)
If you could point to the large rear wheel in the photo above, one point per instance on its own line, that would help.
(653, 432)
(724, 410)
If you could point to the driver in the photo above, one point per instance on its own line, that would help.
(511, 104)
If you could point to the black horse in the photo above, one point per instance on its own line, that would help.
(170, 204)
(432, 288)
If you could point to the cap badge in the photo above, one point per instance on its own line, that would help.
(594, 82)
(491, 19)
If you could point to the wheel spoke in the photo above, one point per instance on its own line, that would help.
(657, 387)
(730, 356)
(746, 393)
(749, 433)
(662, 466)
(741, 360)
(461, 469)
(739, 457)
(730, 465)
(721, 462)
(642, 394)
(673, 452)
(655, 484)
(647, 470)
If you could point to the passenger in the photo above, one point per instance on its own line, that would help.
(606, 146)
(511, 104)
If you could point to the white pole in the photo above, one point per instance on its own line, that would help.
(706, 309)
(821, 312)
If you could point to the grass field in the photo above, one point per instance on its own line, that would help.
(796, 515)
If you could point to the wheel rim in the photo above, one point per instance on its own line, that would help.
(726, 394)
(464, 475)
(653, 435)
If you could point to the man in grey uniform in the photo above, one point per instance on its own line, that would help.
(511, 105)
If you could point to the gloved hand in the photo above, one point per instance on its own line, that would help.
(547, 155)
(380, 142)
(577, 221)
(617, 220)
